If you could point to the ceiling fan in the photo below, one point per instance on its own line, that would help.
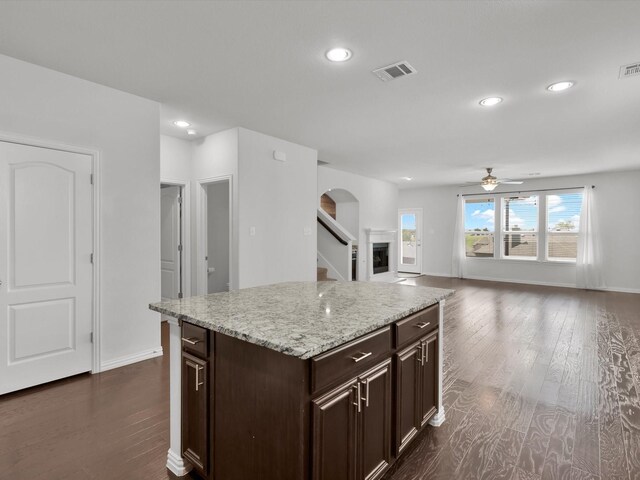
(489, 183)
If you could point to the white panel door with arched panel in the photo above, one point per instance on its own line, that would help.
(46, 243)
(410, 241)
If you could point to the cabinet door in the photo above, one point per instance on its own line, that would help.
(374, 435)
(429, 381)
(334, 433)
(408, 385)
(195, 412)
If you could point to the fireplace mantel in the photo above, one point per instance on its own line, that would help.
(382, 236)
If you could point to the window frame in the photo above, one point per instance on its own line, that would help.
(545, 252)
(485, 198)
(504, 232)
(542, 256)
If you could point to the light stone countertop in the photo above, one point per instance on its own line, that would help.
(303, 319)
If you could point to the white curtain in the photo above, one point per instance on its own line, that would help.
(589, 260)
(459, 255)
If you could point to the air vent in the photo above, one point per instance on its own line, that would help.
(630, 70)
(391, 72)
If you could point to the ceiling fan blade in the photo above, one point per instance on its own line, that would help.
(511, 182)
(469, 184)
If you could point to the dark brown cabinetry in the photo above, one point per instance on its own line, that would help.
(416, 388)
(195, 397)
(352, 428)
(346, 414)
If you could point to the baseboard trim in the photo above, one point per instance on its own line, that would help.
(437, 274)
(129, 359)
(177, 465)
(621, 289)
(525, 282)
(543, 284)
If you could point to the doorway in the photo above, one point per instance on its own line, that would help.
(171, 241)
(215, 239)
(410, 241)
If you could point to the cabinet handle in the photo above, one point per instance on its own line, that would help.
(420, 359)
(357, 402)
(366, 394)
(361, 357)
(422, 325)
(197, 368)
(191, 341)
(425, 353)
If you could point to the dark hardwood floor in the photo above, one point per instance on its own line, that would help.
(540, 383)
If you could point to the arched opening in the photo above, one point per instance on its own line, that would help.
(344, 209)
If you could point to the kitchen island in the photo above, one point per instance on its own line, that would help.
(303, 380)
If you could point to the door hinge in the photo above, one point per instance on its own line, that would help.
(91, 178)
(91, 337)
(179, 248)
(179, 295)
(180, 200)
(91, 258)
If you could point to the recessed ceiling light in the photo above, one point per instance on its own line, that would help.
(191, 132)
(181, 123)
(408, 179)
(533, 174)
(490, 101)
(339, 54)
(560, 86)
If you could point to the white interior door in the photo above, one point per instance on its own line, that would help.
(46, 293)
(170, 255)
(410, 240)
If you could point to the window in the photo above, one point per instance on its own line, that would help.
(563, 225)
(520, 227)
(479, 227)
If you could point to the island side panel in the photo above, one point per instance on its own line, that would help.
(175, 462)
(261, 414)
(439, 417)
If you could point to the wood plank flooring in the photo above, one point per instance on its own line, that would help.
(540, 383)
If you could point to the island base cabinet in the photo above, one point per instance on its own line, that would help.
(352, 428)
(416, 388)
(334, 434)
(429, 380)
(375, 422)
(195, 412)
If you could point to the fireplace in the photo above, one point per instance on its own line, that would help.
(380, 257)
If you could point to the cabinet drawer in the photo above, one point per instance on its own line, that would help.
(195, 339)
(349, 359)
(416, 325)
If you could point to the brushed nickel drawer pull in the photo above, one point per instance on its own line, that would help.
(197, 368)
(357, 402)
(422, 325)
(366, 395)
(361, 357)
(191, 341)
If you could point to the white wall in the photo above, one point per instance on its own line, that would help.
(213, 157)
(48, 105)
(278, 199)
(218, 236)
(618, 199)
(377, 199)
(175, 159)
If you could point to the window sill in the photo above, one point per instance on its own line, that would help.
(521, 260)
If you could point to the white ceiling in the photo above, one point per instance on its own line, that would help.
(261, 65)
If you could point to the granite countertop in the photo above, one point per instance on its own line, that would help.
(303, 319)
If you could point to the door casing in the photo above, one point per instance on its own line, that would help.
(96, 179)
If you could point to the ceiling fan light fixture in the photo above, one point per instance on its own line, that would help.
(489, 187)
